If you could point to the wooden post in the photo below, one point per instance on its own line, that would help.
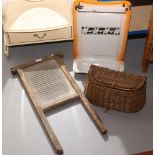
(148, 51)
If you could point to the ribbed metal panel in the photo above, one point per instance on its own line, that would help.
(48, 82)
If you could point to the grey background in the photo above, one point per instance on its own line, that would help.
(23, 135)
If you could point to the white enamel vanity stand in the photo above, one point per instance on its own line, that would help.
(36, 21)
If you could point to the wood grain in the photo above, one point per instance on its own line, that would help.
(60, 103)
(89, 108)
(28, 64)
(33, 62)
(23, 35)
(140, 17)
(148, 51)
(144, 153)
(33, 70)
(6, 48)
(40, 112)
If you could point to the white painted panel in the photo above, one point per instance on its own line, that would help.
(96, 45)
(39, 18)
(23, 37)
(103, 8)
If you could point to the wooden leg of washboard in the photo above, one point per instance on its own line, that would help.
(41, 114)
(42, 109)
(84, 100)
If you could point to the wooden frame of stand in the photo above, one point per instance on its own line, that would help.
(148, 51)
(41, 110)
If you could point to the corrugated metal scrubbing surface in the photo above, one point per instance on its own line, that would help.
(48, 82)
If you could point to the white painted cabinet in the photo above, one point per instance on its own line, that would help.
(36, 21)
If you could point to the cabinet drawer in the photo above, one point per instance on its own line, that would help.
(24, 37)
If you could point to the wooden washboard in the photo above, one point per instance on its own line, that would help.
(49, 85)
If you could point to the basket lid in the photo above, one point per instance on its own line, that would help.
(116, 79)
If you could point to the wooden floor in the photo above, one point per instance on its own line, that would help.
(145, 153)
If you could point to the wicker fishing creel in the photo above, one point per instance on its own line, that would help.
(115, 90)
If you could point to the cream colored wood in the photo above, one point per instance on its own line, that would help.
(16, 8)
(39, 42)
(27, 21)
(140, 17)
(32, 22)
(6, 48)
(23, 37)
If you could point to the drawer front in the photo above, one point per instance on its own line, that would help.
(24, 37)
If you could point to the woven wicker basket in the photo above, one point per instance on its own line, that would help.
(115, 90)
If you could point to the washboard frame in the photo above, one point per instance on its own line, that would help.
(19, 70)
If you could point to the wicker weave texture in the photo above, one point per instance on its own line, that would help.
(115, 90)
(48, 82)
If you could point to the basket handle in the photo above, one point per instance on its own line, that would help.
(110, 107)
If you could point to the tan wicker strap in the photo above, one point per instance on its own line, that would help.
(109, 108)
